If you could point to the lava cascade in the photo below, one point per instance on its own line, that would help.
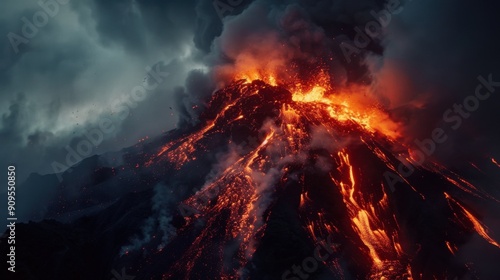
(323, 156)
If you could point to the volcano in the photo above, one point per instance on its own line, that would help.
(272, 183)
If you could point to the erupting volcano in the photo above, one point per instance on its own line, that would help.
(304, 165)
(275, 181)
(250, 140)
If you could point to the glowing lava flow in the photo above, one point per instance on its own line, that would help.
(345, 138)
(348, 106)
(480, 229)
(366, 222)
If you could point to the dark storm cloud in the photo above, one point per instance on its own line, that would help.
(88, 55)
(140, 25)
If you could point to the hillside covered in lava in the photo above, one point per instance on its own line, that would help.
(273, 182)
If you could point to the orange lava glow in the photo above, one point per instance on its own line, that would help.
(351, 105)
(241, 192)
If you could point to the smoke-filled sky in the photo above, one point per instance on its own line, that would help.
(81, 65)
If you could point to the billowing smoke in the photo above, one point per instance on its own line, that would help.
(292, 40)
(382, 44)
(158, 225)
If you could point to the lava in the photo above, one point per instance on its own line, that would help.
(342, 140)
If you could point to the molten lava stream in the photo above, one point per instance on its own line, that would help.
(236, 214)
(373, 232)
